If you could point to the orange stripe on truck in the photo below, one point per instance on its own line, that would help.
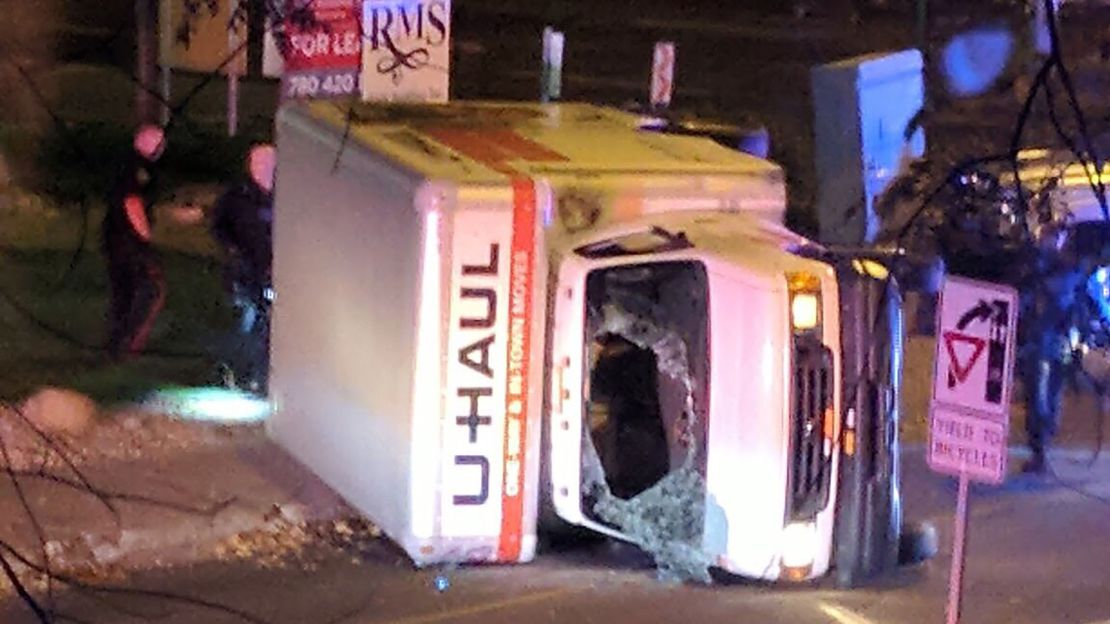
(495, 149)
(521, 274)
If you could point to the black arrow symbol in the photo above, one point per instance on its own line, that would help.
(981, 312)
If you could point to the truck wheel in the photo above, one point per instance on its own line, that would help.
(918, 543)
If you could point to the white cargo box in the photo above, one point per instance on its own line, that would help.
(412, 248)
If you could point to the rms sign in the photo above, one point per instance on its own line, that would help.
(406, 50)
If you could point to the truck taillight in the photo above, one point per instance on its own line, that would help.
(805, 302)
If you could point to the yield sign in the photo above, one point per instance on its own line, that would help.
(959, 370)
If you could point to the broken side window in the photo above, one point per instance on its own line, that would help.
(643, 449)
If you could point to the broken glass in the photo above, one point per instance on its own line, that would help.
(667, 519)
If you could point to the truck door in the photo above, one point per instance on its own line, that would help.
(869, 513)
(622, 415)
(568, 385)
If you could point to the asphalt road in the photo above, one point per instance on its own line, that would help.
(1038, 553)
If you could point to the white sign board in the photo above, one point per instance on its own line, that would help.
(973, 379)
(406, 50)
(965, 443)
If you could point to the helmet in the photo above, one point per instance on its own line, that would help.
(260, 163)
(150, 140)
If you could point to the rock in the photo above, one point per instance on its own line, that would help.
(131, 423)
(54, 549)
(293, 513)
(56, 410)
(103, 551)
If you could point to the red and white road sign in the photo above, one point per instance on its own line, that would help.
(972, 379)
(969, 444)
(662, 75)
(969, 418)
(975, 346)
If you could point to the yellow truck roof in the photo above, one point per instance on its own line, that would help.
(474, 142)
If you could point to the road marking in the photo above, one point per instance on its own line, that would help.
(843, 615)
(461, 612)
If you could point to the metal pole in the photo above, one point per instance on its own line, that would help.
(959, 541)
(165, 43)
(551, 75)
(166, 94)
(232, 103)
(922, 22)
(146, 60)
(922, 35)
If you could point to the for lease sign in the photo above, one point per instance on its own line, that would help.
(324, 49)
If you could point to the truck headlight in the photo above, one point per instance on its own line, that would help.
(799, 548)
(805, 301)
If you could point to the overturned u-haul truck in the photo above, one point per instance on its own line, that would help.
(494, 320)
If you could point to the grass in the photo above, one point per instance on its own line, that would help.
(107, 93)
(36, 254)
(37, 243)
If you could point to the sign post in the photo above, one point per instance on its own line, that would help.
(969, 417)
(551, 81)
(165, 54)
(662, 75)
(235, 40)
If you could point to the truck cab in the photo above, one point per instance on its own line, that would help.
(742, 335)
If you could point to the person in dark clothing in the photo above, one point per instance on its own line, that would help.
(135, 273)
(1049, 301)
(242, 225)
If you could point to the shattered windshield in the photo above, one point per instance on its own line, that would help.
(643, 447)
